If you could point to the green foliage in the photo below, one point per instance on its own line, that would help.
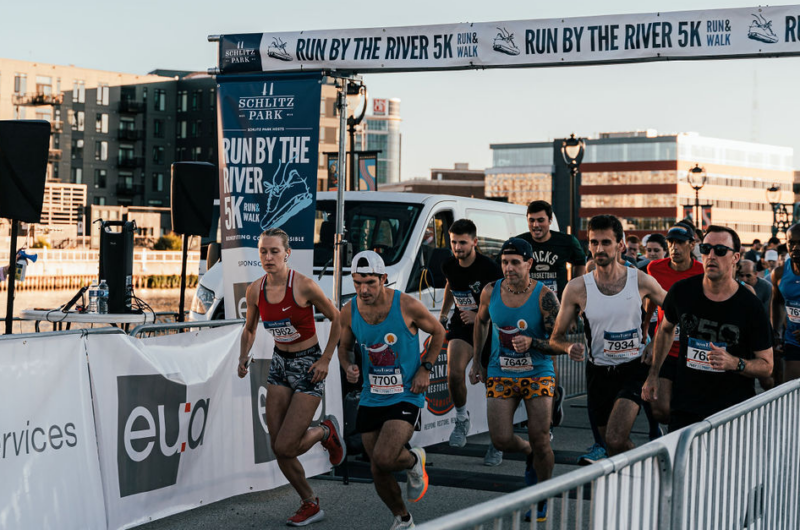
(168, 242)
(170, 281)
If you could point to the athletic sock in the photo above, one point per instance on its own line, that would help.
(461, 413)
(326, 432)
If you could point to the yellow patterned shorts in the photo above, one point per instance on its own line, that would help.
(524, 387)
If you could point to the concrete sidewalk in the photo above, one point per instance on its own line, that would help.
(458, 479)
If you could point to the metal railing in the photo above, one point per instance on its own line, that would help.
(631, 491)
(50, 334)
(740, 468)
(154, 330)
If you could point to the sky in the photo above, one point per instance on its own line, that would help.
(448, 117)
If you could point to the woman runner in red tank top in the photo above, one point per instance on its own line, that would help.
(284, 301)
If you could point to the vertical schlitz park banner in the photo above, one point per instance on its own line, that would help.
(269, 139)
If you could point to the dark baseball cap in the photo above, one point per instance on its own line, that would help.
(518, 246)
(680, 233)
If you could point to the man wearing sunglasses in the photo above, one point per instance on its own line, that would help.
(610, 298)
(724, 336)
(786, 306)
(679, 266)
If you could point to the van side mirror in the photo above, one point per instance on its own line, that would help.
(213, 255)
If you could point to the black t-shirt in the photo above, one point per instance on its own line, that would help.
(738, 324)
(551, 257)
(466, 283)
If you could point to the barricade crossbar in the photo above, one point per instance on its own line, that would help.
(178, 326)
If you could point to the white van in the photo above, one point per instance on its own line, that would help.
(409, 230)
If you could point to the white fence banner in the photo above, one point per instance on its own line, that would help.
(709, 34)
(177, 428)
(439, 414)
(48, 451)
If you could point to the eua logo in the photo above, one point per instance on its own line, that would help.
(240, 299)
(156, 425)
(262, 444)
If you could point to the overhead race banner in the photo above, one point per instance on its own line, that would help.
(166, 409)
(269, 138)
(48, 449)
(708, 34)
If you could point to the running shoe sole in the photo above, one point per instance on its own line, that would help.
(319, 516)
(334, 431)
(411, 494)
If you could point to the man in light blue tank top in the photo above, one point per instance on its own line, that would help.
(522, 312)
(384, 323)
(786, 308)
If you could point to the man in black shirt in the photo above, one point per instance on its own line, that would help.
(725, 340)
(551, 252)
(467, 272)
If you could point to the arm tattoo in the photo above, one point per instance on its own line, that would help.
(550, 309)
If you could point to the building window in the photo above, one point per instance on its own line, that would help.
(101, 150)
(102, 94)
(78, 121)
(55, 171)
(160, 99)
(79, 91)
(100, 178)
(197, 99)
(183, 100)
(20, 83)
(100, 201)
(158, 128)
(212, 99)
(182, 129)
(126, 152)
(158, 182)
(77, 149)
(197, 153)
(77, 175)
(101, 123)
(158, 154)
(197, 128)
(44, 85)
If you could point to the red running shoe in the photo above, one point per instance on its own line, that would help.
(309, 512)
(337, 450)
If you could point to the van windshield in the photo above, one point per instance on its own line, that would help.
(384, 227)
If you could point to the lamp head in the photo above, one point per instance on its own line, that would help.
(572, 149)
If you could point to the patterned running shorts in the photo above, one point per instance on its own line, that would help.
(524, 387)
(292, 372)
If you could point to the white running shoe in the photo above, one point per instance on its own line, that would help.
(417, 477)
(458, 438)
(399, 524)
(493, 457)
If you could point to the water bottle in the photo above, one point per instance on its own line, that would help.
(102, 298)
(93, 295)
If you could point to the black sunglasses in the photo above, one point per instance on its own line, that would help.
(719, 250)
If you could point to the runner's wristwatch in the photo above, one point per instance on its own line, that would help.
(427, 366)
(740, 366)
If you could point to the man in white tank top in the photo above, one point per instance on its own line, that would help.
(610, 301)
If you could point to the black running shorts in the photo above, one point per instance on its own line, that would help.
(371, 419)
(606, 384)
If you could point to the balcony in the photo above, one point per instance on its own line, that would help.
(37, 100)
(130, 162)
(127, 189)
(54, 155)
(128, 106)
(129, 134)
(56, 126)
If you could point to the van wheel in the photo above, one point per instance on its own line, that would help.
(219, 314)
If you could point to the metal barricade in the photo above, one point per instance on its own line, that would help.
(49, 334)
(571, 374)
(153, 330)
(740, 468)
(631, 491)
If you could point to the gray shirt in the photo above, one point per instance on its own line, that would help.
(764, 293)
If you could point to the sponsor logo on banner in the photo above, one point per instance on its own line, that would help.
(380, 107)
(240, 299)
(761, 30)
(156, 425)
(262, 446)
(438, 395)
(240, 53)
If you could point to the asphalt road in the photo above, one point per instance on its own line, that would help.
(458, 479)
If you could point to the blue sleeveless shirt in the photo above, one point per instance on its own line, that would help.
(390, 357)
(790, 290)
(509, 322)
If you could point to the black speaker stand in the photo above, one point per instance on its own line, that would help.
(12, 276)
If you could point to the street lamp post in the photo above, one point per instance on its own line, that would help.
(572, 150)
(697, 179)
(354, 90)
(781, 220)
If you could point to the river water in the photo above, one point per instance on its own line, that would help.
(159, 299)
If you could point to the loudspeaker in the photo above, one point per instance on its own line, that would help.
(194, 188)
(116, 263)
(24, 146)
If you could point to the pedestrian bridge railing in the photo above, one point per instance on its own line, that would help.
(628, 491)
(739, 468)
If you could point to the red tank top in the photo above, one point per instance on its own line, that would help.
(287, 322)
